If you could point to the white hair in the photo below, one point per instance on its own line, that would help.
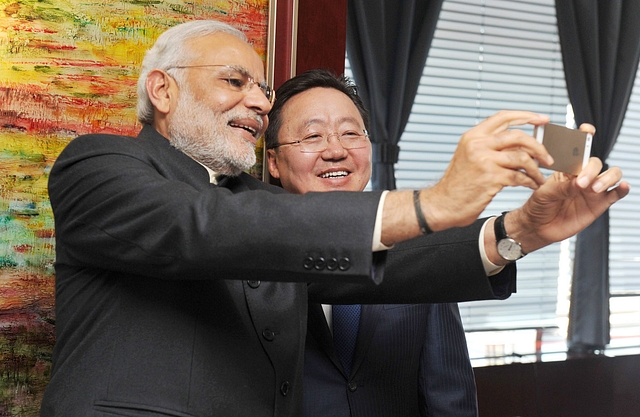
(169, 51)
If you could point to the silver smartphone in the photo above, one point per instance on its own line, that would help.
(570, 148)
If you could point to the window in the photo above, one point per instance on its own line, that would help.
(489, 55)
(624, 240)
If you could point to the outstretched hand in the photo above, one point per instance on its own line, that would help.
(567, 204)
(488, 158)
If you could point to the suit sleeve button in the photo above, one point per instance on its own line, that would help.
(344, 264)
(268, 335)
(332, 264)
(320, 264)
(308, 262)
(284, 388)
(352, 386)
(253, 284)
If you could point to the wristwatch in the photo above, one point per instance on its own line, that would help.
(508, 248)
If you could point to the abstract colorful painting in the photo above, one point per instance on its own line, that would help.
(67, 67)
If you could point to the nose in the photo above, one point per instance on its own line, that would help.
(255, 99)
(334, 148)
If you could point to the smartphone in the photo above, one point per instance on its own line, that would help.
(570, 148)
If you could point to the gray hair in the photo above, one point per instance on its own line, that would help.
(170, 51)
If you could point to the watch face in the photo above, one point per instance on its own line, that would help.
(509, 249)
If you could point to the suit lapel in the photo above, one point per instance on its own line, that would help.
(368, 323)
(246, 182)
(319, 329)
(235, 184)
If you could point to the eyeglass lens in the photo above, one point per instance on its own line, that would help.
(348, 140)
(240, 80)
(236, 79)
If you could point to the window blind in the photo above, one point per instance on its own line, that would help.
(491, 55)
(487, 56)
(624, 235)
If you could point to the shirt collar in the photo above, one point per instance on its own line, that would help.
(212, 174)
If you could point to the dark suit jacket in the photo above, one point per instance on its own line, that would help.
(175, 297)
(410, 360)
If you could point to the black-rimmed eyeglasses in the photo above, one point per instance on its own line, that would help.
(317, 142)
(236, 78)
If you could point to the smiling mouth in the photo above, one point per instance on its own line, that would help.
(335, 174)
(249, 129)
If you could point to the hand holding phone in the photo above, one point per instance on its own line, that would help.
(570, 148)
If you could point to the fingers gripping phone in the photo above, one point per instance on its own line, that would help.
(570, 148)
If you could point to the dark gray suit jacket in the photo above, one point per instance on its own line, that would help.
(175, 297)
(410, 360)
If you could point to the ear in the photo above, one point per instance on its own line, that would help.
(160, 88)
(272, 163)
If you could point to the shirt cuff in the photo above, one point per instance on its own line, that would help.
(377, 245)
(489, 267)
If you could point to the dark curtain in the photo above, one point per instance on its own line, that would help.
(387, 44)
(600, 42)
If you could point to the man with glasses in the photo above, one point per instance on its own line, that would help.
(182, 282)
(406, 360)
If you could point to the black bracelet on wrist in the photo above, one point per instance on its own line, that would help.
(424, 227)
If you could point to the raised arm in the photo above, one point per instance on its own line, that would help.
(488, 157)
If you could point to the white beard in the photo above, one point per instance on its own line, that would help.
(205, 136)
